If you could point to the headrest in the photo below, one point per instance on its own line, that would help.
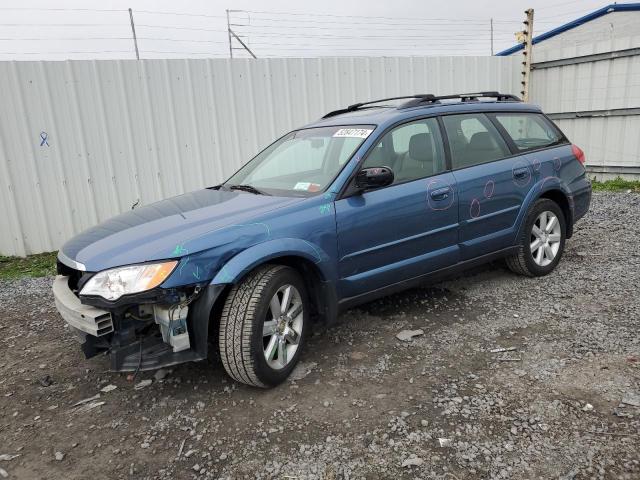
(482, 141)
(421, 147)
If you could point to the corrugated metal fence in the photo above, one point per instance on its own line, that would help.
(592, 91)
(81, 141)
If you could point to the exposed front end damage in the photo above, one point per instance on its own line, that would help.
(146, 331)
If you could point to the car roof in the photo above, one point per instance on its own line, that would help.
(385, 115)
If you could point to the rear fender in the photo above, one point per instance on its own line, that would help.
(544, 185)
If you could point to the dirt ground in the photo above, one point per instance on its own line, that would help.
(562, 403)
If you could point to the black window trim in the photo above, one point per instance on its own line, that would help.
(347, 189)
(507, 139)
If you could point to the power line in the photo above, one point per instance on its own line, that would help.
(101, 10)
(578, 12)
(180, 14)
(294, 47)
(65, 52)
(110, 38)
(171, 27)
(425, 44)
(63, 24)
(402, 24)
(381, 37)
(365, 16)
(187, 53)
(316, 27)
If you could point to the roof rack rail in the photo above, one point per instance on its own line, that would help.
(420, 99)
(356, 106)
(463, 97)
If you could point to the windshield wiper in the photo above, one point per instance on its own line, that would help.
(247, 188)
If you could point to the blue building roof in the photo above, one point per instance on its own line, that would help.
(614, 7)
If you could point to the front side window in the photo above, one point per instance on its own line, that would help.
(529, 131)
(302, 162)
(473, 140)
(413, 151)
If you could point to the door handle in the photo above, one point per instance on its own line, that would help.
(441, 193)
(521, 172)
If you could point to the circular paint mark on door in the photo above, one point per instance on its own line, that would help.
(536, 165)
(489, 188)
(474, 208)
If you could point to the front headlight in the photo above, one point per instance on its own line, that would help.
(116, 282)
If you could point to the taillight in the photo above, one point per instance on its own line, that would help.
(579, 154)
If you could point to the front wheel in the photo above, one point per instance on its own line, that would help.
(263, 326)
(542, 240)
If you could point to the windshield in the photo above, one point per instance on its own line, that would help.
(303, 162)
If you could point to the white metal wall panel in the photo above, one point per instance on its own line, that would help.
(606, 141)
(126, 132)
(610, 142)
(614, 25)
(597, 85)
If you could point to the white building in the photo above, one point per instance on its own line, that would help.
(586, 76)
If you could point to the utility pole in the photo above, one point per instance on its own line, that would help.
(492, 37)
(233, 35)
(243, 44)
(229, 33)
(133, 30)
(527, 52)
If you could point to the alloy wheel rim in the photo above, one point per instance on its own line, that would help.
(545, 238)
(282, 328)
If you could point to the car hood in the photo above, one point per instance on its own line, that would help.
(158, 231)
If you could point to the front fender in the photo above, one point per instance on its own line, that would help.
(258, 254)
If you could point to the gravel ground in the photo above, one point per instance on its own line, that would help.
(562, 402)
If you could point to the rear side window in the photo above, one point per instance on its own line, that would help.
(529, 130)
(473, 140)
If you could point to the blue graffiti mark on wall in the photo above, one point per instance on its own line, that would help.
(44, 136)
(325, 208)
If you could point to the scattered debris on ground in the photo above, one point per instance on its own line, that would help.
(408, 335)
(362, 404)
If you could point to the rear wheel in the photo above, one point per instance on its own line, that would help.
(542, 240)
(263, 325)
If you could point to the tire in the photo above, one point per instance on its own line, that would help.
(532, 264)
(247, 317)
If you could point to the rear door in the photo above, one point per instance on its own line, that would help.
(406, 229)
(492, 183)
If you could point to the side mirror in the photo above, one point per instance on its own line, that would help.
(374, 177)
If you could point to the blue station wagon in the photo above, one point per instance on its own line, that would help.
(368, 200)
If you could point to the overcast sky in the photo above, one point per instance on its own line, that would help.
(80, 29)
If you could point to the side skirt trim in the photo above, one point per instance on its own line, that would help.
(426, 278)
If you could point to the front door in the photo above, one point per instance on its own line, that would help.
(404, 230)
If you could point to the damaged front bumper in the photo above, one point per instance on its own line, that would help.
(142, 332)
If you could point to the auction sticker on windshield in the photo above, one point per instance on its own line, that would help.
(353, 132)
